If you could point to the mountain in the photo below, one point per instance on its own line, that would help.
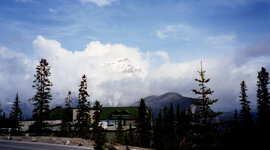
(159, 102)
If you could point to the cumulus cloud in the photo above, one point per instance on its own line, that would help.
(100, 3)
(121, 75)
(16, 72)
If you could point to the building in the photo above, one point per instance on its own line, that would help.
(109, 118)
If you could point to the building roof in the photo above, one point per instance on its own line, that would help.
(59, 113)
(113, 113)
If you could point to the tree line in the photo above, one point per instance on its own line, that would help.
(198, 127)
(195, 127)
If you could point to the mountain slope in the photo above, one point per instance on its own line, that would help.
(159, 102)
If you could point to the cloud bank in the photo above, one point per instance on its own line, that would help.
(121, 75)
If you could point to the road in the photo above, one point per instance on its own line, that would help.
(18, 145)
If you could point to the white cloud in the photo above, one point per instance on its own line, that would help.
(118, 74)
(100, 62)
(162, 54)
(221, 41)
(16, 71)
(52, 10)
(100, 3)
(92, 38)
(180, 31)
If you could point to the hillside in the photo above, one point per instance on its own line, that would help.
(159, 102)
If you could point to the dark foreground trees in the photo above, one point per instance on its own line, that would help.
(16, 116)
(263, 98)
(263, 107)
(98, 133)
(83, 118)
(144, 125)
(245, 115)
(67, 118)
(42, 97)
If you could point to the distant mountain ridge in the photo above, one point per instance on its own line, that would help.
(159, 102)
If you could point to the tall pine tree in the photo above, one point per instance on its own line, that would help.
(144, 125)
(204, 111)
(99, 135)
(204, 126)
(119, 136)
(68, 100)
(158, 133)
(42, 97)
(83, 118)
(1, 110)
(67, 118)
(245, 115)
(263, 98)
(16, 116)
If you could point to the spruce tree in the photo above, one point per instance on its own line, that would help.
(245, 115)
(119, 137)
(204, 111)
(16, 117)
(99, 135)
(83, 118)
(42, 97)
(1, 110)
(68, 100)
(131, 135)
(235, 120)
(67, 118)
(204, 126)
(171, 129)
(158, 133)
(263, 98)
(144, 125)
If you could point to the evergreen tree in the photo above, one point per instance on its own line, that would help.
(83, 118)
(158, 133)
(235, 120)
(144, 125)
(183, 123)
(245, 115)
(204, 128)
(1, 110)
(119, 134)
(16, 116)
(263, 98)
(204, 111)
(131, 135)
(170, 131)
(99, 136)
(67, 117)
(68, 100)
(42, 97)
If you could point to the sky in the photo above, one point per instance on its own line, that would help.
(131, 49)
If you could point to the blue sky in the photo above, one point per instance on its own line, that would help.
(133, 23)
(179, 32)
